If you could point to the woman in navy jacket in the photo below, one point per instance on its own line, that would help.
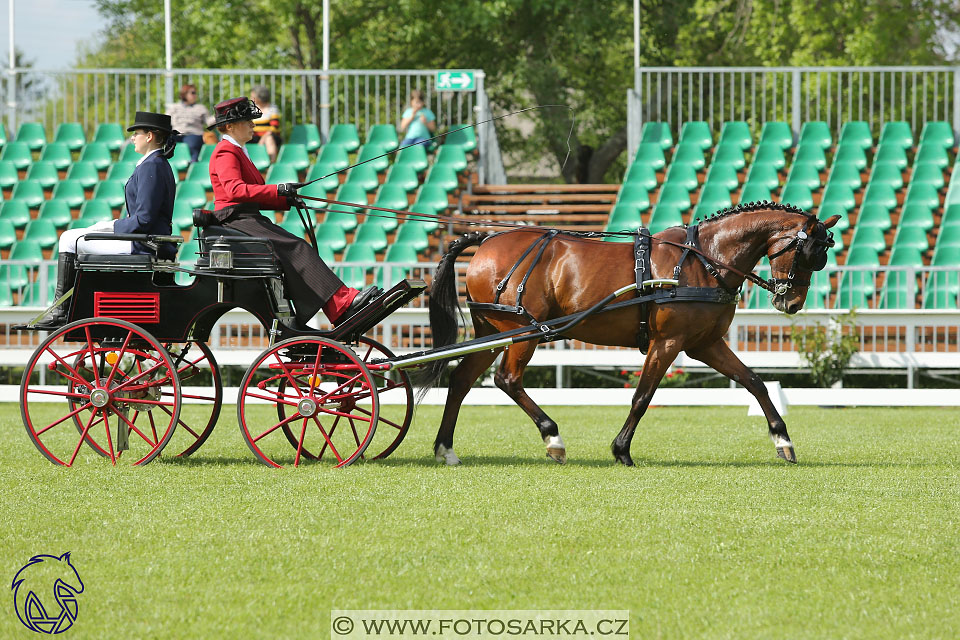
(149, 197)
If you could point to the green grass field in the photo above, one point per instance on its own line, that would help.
(709, 536)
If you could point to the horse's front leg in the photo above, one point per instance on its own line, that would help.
(461, 381)
(720, 357)
(661, 354)
(509, 378)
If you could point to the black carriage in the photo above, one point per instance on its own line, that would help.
(133, 355)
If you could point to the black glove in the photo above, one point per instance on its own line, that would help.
(288, 189)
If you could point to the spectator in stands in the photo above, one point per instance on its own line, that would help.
(266, 128)
(189, 117)
(418, 123)
(149, 197)
(239, 192)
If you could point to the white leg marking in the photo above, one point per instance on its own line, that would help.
(556, 450)
(447, 456)
(780, 441)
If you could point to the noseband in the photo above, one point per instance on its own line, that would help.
(780, 286)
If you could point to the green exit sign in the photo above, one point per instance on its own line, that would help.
(455, 80)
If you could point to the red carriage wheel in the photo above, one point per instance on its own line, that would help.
(121, 390)
(331, 399)
(396, 405)
(201, 405)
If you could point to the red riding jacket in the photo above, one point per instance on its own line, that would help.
(236, 180)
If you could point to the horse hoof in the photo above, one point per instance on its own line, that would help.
(788, 454)
(624, 459)
(557, 455)
(447, 456)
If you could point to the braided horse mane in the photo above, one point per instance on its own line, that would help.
(750, 207)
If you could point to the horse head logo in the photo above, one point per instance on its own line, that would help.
(45, 593)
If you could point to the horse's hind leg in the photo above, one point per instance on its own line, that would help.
(509, 377)
(720, 357)
(461, 380)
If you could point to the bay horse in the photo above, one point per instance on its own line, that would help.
(573, 273)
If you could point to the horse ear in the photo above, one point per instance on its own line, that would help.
(832, 220)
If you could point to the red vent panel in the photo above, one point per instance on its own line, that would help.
(140, 308)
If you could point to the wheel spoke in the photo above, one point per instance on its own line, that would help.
(289, 403)
(66, 417)
(153, 426)
(340, 388)
(336, 454)
(286, 374)
(77, 375)
(277, 426)
(116, 364)
(316, 365)
(332, 412)
(83, 436)
(134, 428)
(62, 394)
(106, 426)
(303, 436)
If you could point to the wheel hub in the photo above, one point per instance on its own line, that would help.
(307, 407)
(99, 398)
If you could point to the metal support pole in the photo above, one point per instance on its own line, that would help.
(483, 114)
(795, 119)
(168, 48)
(956, 98)
(325, 77)
(11, 79)
(636, 34)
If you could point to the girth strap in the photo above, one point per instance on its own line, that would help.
(542, 241)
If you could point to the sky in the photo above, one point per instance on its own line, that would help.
(48, 31)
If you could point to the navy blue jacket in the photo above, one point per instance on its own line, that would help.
(149, 197)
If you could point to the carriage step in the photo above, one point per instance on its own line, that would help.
(378, 309)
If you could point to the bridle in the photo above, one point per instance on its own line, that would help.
(780, 286)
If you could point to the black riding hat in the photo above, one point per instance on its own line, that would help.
(235, 110)
(153, 121)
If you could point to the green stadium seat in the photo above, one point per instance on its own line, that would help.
(17, 276)
(657, 133)
(276, 174)
(371, 234)
(683, 175)
(97, 153)
(723, 175)
(94, 211)
(192, 193)
(844, 175)
(922, 194)
(948, 238)
(259, 157)
(755, 192)
(767, 175)
(199, 172)
(292, 223)
(180, 159)
(182, 216)
(891, 153)
(462, 135)
(880, 194)
(110, 134)
(850, 156)
(57, 153)
(16, 212)
(870, 237)
(57, 212)
(927, 174)
(364, 175)
(714, 197)
(777, 134)
(916, 215)
(688, 154)
(636, 196)
(335, 156)
(899, 289)
(71, 134)
(696, 133)
(412, 234)
(856, 288)
(384, 219)
(443, 176)
(414, 157)
(206, 152)
(187, 257)
(728, 155)
(736, 133)
(344, 135)
(9, 175)
(403, 176)
(434, 197)
(121, 170)
(17, 153)
(111, 191)
(810, 154)
(665, 216)
(650, 155)
(856, 133)
(305, 134)
(887, 173)
(937, 132)
(33, 135)
(352, 193)
(70, 191)
(837, 196)
(426, 208)
(128, 153)
(397, 253)
(897, 134)
(815, 133)
(45, 173)
(797, 195)
(391, 196)
(804, 174)
(911, 237)
(641, 174)
(675, 196)
(30, 192)
(624, 217)
(41, 231)
(451, 156)
(327, 177)
(356, 276)
(383, 136)
(951, 216)
(35, 296)
(332, 236)
(941, 287)
(8, 233)
(932, 154)
(294, 155)
(341, 216)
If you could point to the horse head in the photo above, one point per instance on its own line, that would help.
(795, 256)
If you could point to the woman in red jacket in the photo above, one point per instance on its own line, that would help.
(240, 193)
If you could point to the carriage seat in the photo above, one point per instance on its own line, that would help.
(250, 254)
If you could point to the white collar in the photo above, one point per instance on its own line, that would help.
(230, 139)
(145, 156)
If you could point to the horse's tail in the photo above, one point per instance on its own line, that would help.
(445, 305)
